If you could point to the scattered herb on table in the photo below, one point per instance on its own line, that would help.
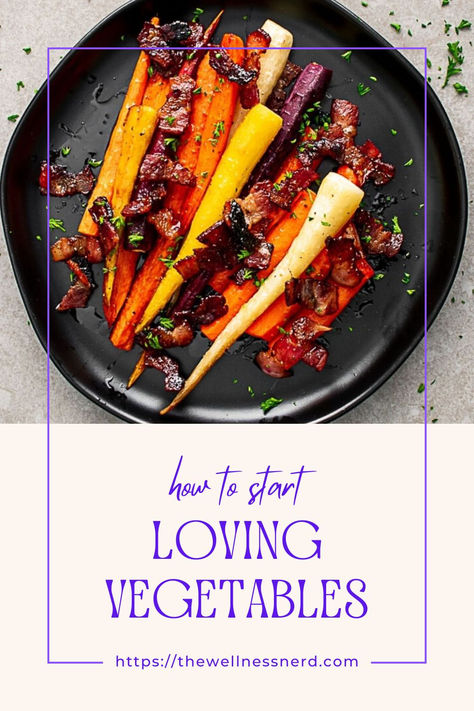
(421, 388)
(269, 403)
(13, 117)
(347, 55)
(27, 50)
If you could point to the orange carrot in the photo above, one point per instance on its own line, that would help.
(215, 132)
(156, 91)
(190, 143)
(349, 174)
(281, 237)
(214, 138)
(105, 182)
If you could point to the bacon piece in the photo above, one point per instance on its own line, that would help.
(168, 62)
(62, 182)
(258, 41)
(260, 257)
(76, 297)
(257, 205)
(166, 224)
(187, 267)
(174, 115)
(66, 247)
(166, 365)
(342, 255)
(293, 346)
(271, 365)
(316, 357)
(145, 194)
(221, 61)
(321, 296)
(101, 213)
(179, 335)
(376, 238)
(346, 115)
(160, 167)
(278, 96)
(187, 298)
(284, 193)
(366, 167)
(234, 218)
(210, 308)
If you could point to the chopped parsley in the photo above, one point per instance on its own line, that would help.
(444, 3)
(447, 27)
(251, 391)
(406, 278)
(283, 331)
(393, 131)
(135, 238)
(94, 163)
(463, 25)
(106, 270)
(248, 274)
(198, 90)
(19, 85)
(152, 341)
(150, 70)
(460, 88)
(396, 229)
(13, 117)
(325, 224)
(218, 129)
(409, 162)
(172, 143)
(38, 237)
(118, 222)
(65, 151)
(269, 403)
(396, 26)
(378, 276)
(167, 323)
(364, 3)
(197, 14)
(421, 388)
(347, 55)
(198, 138)
(363, 90)
(166, 261)
(410, 292)
(55, 224)
(170, 120)
(373, 78)
(243, 254)
(27, 50)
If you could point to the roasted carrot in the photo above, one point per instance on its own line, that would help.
(348, 173)
(106, 179)
(138, 370)
(281, 237)
(214, 131)
(156, 91)
(138, 130)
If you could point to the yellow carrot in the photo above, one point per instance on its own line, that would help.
(248, 145)
(137, 132)
(336, 201)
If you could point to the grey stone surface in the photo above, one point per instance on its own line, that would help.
(450, 340)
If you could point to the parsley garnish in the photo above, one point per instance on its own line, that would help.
(118, 222)
(409, 162)
(13, 117)
(218, 129)
(55, 224)
(270, 402)
(19, 85)
(166, 261)
(198, 90)
(460, 88)
(396, 229)
(38, 237)
(166, 323)
(94, 163)
(393, 131)
(463, 25)
(378, 276)
(251, 391)
(248, 274)
(65, 150)
(410, 292)
(444, 3)
(396, 26)
(150, 70)
(363, 90)
(197, 13)
(406, 278)
(347, 55)
(106, 270)
(243, 254)
(27, 50)
(170, 120)
(421, 388)
(172, 143)
(198, 138)
(135, 238)
(152, 341)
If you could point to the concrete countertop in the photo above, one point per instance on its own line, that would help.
(450, 340)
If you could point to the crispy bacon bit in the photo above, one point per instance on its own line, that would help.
(177, 336)
(187, 267)
(209, 309)
(278, 96)
(367, 167)
(284, 193)
(168, 62)
(258, 41)
(221, 61)
(160, 167)
(187, 298)
(166, 365)
(174, 116)
(330, 143)
(166, 224)
(321, 296)
(260, 257)
(66, 247)
(102, 214)
(316, 357)
(257, 205)
(145, 194)
(376, 238)
(235, 220)
(217, 235)
(346, 115)
(76, 297)
(343, 257)
(294, 345)
(62, 182)
(139, 235)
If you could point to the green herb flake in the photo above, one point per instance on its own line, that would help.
(251, 391)
(393, 131)
(235, 380)
(378, 276)
(172, 143)
(106, 270)
(410, 292)
(363, 90)
(55, 224)
(406, 278)
(198, 90)
(152, 341)
(198, 138)
(27, 50)
(421, 388)
(444, 3)
(150, 71)
(410, 33)
(13, 117)
(19, 85)
(243, 254)
(197, 14)
(94, 163)
(65, 151)
(409, 162)
(325, 224)
(167, 323)
(447, 27)
(135, 239)
(396, 229)
(364, 3)
(396, 26)
(118, 222)
(460, 88)
(269, 403)
(166, 261)
(38, 237)
(463, 25)
(245, 17)
(347, 55)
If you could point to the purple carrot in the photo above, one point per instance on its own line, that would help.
(309, 87)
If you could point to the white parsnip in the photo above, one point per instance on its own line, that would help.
(336, 201)
(272, 64)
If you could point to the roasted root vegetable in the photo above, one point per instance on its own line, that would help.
(245, 149)
(120, 263)
(272, 64)
(335, 203)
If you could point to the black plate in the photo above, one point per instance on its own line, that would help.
(373, 336)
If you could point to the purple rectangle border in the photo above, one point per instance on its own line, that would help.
(425, 316)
